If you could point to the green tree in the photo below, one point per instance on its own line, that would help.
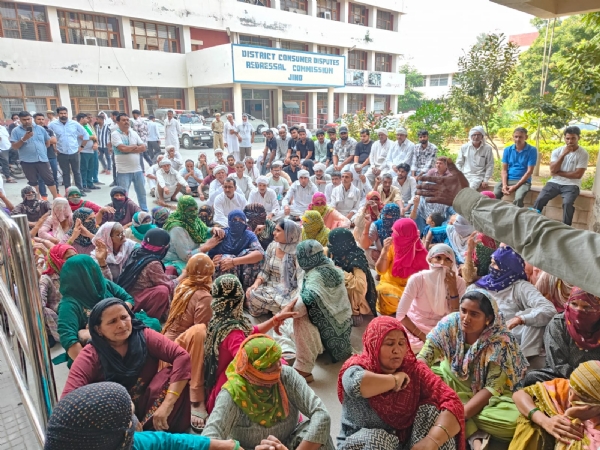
(484, 81)
(412, 99)
(432, 115)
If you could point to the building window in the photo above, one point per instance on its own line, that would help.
(328, 50)
(297, 6)
(382, 104)
(323, 109)
(154, 36)
(152, 98)
(356, 102)
(17, 97)
(92, 99)
(76, 27)
(359, 15)
(383, 62)
(290, 45)
(255, 40)
(294, 107)
(266, 3)
(385, 20)
(438, 80)
(213, 100)
(328, 9)
(454, 80)
(20, 21)
(357, 60)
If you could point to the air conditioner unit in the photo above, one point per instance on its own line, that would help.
(325, 15)
(323, 111)
(90, 40)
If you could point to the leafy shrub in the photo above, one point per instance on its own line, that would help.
(505, 134)
(497, 175)
(545, 151)
(593, 137)
(587, 182)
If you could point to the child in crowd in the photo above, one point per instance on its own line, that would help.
(435, 231)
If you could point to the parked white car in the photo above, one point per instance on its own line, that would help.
(258, 124)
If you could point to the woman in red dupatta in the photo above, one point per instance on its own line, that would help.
(392, 401)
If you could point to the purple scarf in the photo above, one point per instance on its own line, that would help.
(511, 268)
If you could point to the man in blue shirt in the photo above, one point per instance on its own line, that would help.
(32, 142)
(69, 134)
(153, 139)
(518, 162)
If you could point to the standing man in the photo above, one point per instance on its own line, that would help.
(32, 142)
(343, 151)
(39, 120)
(127, 147)
(246, 132)
(232, 137)
(5, 147)
(217, 128)
(68, 134)
(424, 155)
(104, 146)
(321, 147)
(518, 163)
(140, 127)
(87, 155)
(402, 151)
(346, 197)
(172, 130)
(153, 138)
(379, 154)
(476, 160)
(567, 166)
(50, 116)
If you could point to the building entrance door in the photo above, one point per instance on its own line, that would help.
(258, 108)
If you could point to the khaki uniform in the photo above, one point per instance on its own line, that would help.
(217, 128)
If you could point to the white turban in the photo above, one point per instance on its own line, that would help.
(319, 166)
(303, 173)
(401, 130)
(382, 130)
(262, 179)
(220, 168)
(477, 129)
(164, 162)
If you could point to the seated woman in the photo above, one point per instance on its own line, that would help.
(239, 252)
(144, 276)
(554, 289)
(115, 428)
(375, 233)
(263, 398)
(571, 338)
(82, 286)
(478, 257)
(110, 241)
(458, 237)
(561, 413)
(124, 351)
(277, 282)
(402, 255)
(50, 287)
(358, 279)
(391, 401)
(525, 310)
(206, 214)
(262, 227)
(160, 214)
(60, 221)
(31, 206)
(323, 320)
(121, 209)
(430, 295)
(331, 217)
(372, 207)
(73, 195)
(141, 223)
(480, 359)
(227, 329)
(314, 228)
(82, 232)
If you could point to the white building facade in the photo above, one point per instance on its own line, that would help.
(280, 60)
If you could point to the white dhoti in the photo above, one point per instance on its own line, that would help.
(233, 146)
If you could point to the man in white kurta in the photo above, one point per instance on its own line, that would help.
(151, 175)
(299, 196)
(242, 181)
(216, 185)
(476, 159)
(336, 180)
(227, 201)
(346, 197)
(267, 197)
(169, 182)
(378, 156)
(401, 152)
(172, 130)
(232, 137)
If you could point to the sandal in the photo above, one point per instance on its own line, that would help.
(11, 180)
(200, 415)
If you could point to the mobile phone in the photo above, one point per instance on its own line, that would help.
(29, 129)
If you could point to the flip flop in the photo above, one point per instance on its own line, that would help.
(202, 416)
(11, 180)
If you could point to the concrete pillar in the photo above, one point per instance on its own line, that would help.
(312, 47)
(126, 32)
(343, 103)
(330, 104)
(394, 104)
(276, 4)
(53, 23)
(279, 104)
(65, 97)
(371, 61)
(312, 111)
(238, 104)
(190, 99)
(312, 8)
(344, 11)
(396, 24)
(134, 98)
(370, 103)
(277, 43)
(185, 37)
(373, 17)
(395, 63)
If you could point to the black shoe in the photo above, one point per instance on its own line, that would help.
(86, 190)
(83, 194)
(99, 182)
(93, 187)
(113, 184)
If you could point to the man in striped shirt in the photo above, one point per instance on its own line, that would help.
(104, 144)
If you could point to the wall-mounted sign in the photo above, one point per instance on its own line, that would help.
(388, 83)
(263, 65)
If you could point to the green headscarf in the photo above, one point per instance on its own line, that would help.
(186, 217)
(81, 281)
(138, 227)
(260, 395)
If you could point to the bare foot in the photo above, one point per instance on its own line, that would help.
(161, 202)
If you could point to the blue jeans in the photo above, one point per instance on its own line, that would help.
(54, 165)
(139, 184)
(95, 168)
(87, 169)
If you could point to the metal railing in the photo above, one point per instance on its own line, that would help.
(21, 314)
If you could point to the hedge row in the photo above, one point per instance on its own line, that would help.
(545, 151)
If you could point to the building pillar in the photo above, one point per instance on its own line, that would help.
(126, 32)
(134, 98)
(371, 61)
(190, 99)
(313, 47)
(396, 24)
(312, 8)
(52, 16)
(343, 103)
(279, 103)
(344, 11)
(394, 104)
(370, 103)
(330, 104)
(65, 97)
(373, 17)
(276, 4)
(186, 39)
(238, 104)
(312, 111)
(277, 43)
